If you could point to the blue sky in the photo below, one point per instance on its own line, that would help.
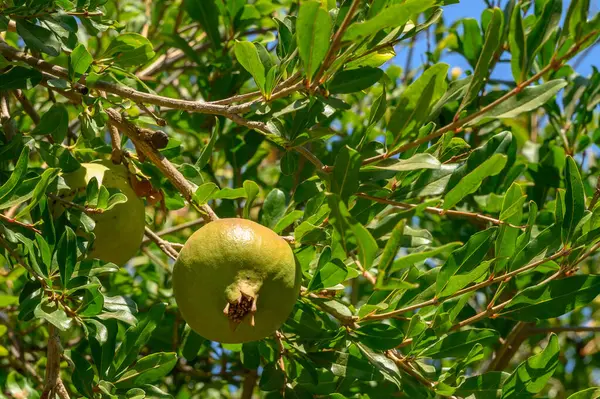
(473, 9)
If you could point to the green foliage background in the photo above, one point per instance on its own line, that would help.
(447, 223)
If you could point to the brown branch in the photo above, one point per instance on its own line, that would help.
(472, 288)
(166, 167)
(510, 346)
(165, 246)
(54, 385)
(175, 229)
(16, 222)
(249, 383)
(21, 261)
(337, 40)
(439, 211)
(454, 126)
(116, 155)
(596, 196)
(5, 118)
(85, 209)
(27, 106)
(402, 363)
(280, 360)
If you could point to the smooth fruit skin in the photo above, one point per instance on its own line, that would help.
(225, 259)
(119, 231)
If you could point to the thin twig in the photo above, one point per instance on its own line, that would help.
(165, 246)
(472, 288)
(439, 211)
(116, 155)
(337, 41)
(54, 385)
(27, 106)
(5, 118)
(454, 126)
(166, 167)
(16, 222)
(175, 229)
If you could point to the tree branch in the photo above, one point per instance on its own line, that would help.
(175, 229)
(54, 385)
(165, 246)
(166, 167)
(439, 211)
(474, 287)
(461, 122)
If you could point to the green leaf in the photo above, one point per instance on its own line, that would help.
(528, 99)
(130, 49)
(391, 249)
(192, 342)
(544, 243)
(66, 255)
(345, 179)
(7, 300)
(576, 18)
(207, 14)
(247, 55)
(416, 257)
(38, 38)
(385, 365)
(83, 375)
(272, 378)
(354, 80)
(471, 182)
(392, 16)
(519, 61)
(208, 149)
(378, 109)
(287, 220)
(493, 37)
(252, 190)
(379, 336)
(553, 299)
(512, 212)
(16, 177)
(532, 375)
(465, 264)
(230, 193)
(459, 343)
(574, 199)
(20, 77)
(329, 272)
(148, 369)
(135, 338)
(54, 122)
(53, 313)
(205, 192)
(273, 208)
(484, 386)
(545, 25)
(351, 231)
(416, 101)
(590, 393)
(40, 190)
(313, 28)
(416, 162)
(79, 61)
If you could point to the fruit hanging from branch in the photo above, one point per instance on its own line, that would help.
(236, 281)
(119, 230)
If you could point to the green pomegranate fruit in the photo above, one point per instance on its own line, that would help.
(120, 230)
(236, 281)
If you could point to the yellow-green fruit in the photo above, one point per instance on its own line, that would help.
(120, 230)
(236, 281)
